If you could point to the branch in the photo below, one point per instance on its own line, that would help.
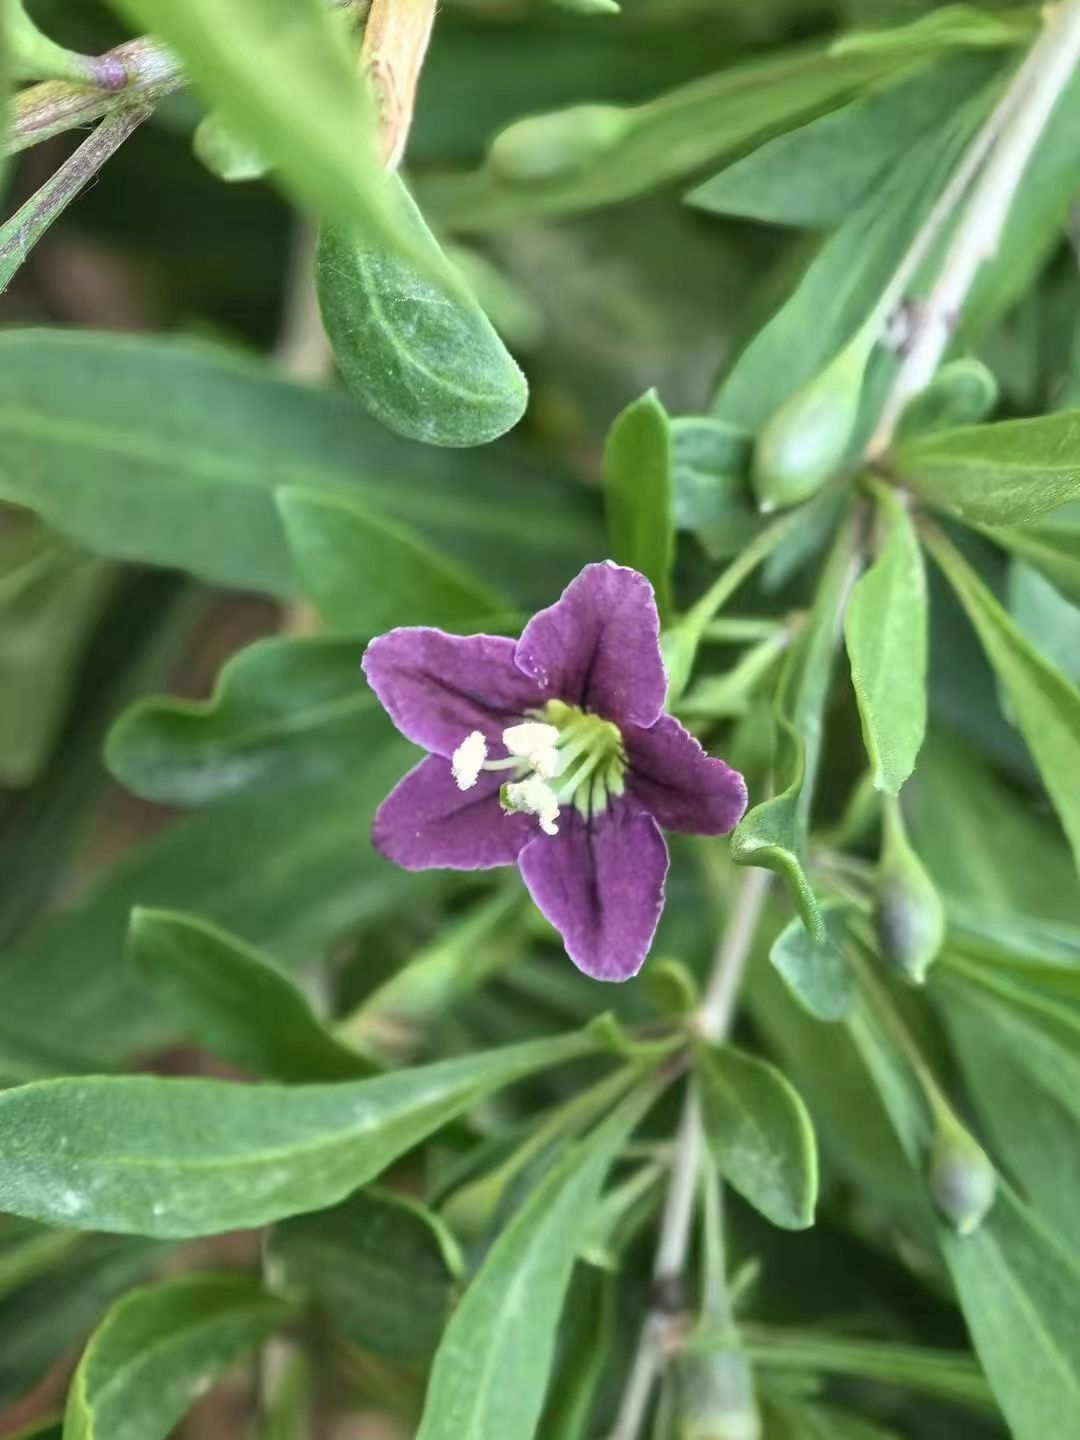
(1008, 139)
(713, 1023)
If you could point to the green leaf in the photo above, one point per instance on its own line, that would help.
(963, 392)
(1003, 474)
(816, 970)
(159, 1348)
(69, 1001)
(712, 497)
(365, 574)
(586, 156)
(1046, 706)
(410, 338)
(582, 1359)
(97, 438)
(1052, 545)
(780, 181)
(50, 1313)
(1018, 1052)
(324, 142)
(284, 714)
(486, 1381)
(1046, 617)
(885, 627)
(383, 1267)
(51, 596)
(198, 1157)
(800, 1420)
(638, 493)
(759, 1135)
(1019, 1287)
(235, 1003)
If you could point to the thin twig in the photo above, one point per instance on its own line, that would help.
(714, 1020)
(1005, 144)
(395, 42)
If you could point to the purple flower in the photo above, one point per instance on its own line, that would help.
(553, 753)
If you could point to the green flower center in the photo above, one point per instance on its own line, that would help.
(592, 761)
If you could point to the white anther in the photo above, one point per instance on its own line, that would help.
(535, 743)
(468, 760)
(534, 796)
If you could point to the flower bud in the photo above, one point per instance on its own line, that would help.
(545, 147)
(806, 439)
(908, 913)
(225, 152)
(961, 1178)
(716, 1398)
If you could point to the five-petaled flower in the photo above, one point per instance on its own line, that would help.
(553, 753)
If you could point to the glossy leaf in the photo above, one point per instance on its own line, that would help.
(1003, 474)
(1046, 705)
(284, 714)
(198, 1157)
(885, 627)
(638, 493)
(159, 1348)
(365, 574)
(485, 1381)
(410, 338)
(381, 1266)
(235, 1003)
(816, 970)
(149, 486)
(759, 1135)
(324, 142)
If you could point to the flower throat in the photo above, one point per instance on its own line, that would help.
(560, 756)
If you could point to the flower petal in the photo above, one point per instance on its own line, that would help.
(601, 884)
(427, 823)
(681, 786)
(438, 688)
(598, 646)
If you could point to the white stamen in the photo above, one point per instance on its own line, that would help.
(535, 743)
(468, 760)
(534, 796)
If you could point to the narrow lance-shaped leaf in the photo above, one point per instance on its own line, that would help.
(638, 493)
(159, 1348)
(235, 1003)
(759, 1135)
(1052, 545)
(412, 342)
(885, 626)
(244, 59)
(1046, 705)
(491, 1370)
(1003, 474)
(197, 1157)
(366, 574)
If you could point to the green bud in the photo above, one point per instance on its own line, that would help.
(716, 1397)
(672, 987)
(224, 152)
(806, 439)
(588, 7)
(961, 1178)
(546, 147)
(908, 913)
(963, 392)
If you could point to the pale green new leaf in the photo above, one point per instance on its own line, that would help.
(491, 1370)
(1045, 704)
(159, 1348)
(235, 1003)
(366, 574)
(885, 627)
(1003, 474)
(759, 1135)
(278, 73)
(172, 1158)
(638, 493)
